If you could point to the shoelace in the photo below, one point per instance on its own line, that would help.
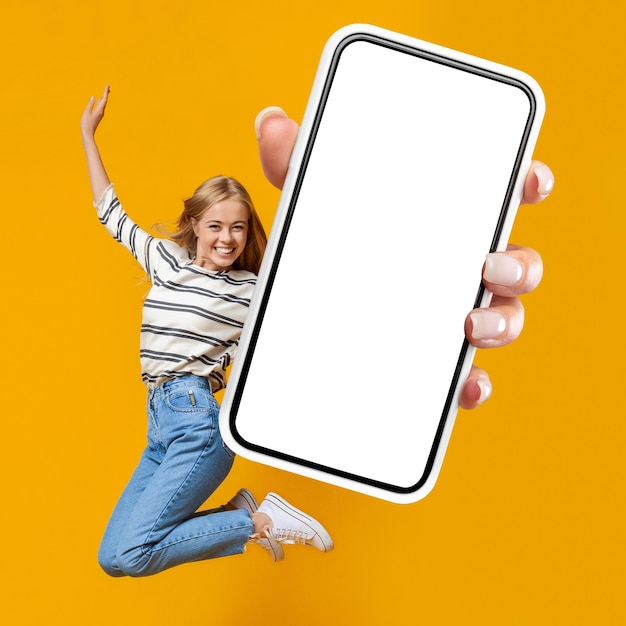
(263, 541)
(270, 546)
(286, 535)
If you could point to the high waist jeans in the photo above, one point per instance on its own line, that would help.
(155, 524)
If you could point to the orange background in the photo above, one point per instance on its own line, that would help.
(526, 523)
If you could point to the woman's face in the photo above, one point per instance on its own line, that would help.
(222, 232)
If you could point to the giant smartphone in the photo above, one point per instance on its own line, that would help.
(408, 168)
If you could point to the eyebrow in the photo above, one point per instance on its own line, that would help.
(221, 222)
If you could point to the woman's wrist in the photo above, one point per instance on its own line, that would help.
(88, 137)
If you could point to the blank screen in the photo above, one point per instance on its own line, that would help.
(399, 197)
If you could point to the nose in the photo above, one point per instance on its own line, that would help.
(226, 235)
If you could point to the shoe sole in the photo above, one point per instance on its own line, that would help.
(326, 542)
(250, 500)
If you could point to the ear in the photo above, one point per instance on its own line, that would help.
(194, 224)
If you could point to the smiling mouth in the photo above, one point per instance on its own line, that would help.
(225, 250)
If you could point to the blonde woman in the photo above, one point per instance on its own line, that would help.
(202, 281)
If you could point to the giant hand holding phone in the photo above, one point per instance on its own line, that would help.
(352, 357)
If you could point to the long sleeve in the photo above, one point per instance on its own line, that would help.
(123, 229)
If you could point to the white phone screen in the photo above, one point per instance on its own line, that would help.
(353, 362)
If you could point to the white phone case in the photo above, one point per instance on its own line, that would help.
(408, 168)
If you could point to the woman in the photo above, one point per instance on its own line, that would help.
(202, 281)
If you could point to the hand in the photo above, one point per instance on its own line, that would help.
(92, 115)
(506, 274)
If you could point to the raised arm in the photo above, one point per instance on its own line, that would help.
(92, 116)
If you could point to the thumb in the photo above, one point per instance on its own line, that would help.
(276, 134)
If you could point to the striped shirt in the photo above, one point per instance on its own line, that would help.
(192, 317)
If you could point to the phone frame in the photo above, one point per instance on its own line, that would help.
(280, 229)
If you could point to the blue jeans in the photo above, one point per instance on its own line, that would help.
(155, 524)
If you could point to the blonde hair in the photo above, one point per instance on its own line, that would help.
(211, 192)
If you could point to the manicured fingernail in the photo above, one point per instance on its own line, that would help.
(502, 269)
(484, 384)
(545, 179)
(268, 112)
(487, 324)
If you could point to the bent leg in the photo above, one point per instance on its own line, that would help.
(148, 465)
(163, 529)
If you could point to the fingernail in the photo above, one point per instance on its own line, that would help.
(545, 179)
(267, 112)
(487, 324)
(502, 269)
(484, 384)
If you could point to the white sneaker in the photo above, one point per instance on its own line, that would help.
(290, 525)
(243, 499)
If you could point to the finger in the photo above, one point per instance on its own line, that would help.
(102, 102)
(476, 389)
(518, 270)
(539, 183)
(276, 134)
(89, 106)
(496, 326)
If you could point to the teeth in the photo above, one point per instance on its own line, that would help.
(224, 250)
